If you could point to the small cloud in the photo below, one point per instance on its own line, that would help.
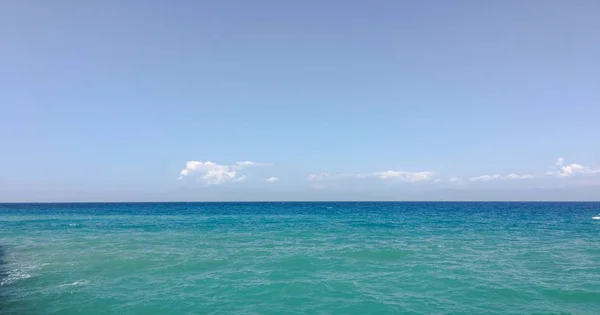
(455, 179)
(240, 179)
(405, 176)
(328, 176)
(437, 180)
(487, 178)
(386, 175)
(517, 176)
(272, 179)
(318, 185)
(318, 177)
(247, 164)
(570, 170)
(212, 173)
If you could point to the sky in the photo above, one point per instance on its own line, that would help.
(299, 100)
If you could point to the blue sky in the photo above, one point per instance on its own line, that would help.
(337, 100)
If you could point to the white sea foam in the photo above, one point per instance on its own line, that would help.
(15, 275)
(76, 283)
(17, 272)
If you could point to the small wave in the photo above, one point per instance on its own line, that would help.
(15, 275)
(76, 283)
(12, 274)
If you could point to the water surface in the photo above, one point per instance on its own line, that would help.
(300, 258)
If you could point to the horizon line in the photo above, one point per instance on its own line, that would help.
(307, 201)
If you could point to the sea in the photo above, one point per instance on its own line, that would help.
(300, 258)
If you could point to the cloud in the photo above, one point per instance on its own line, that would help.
(487, 178)
(272, 179)
(247, 164)
(386, 175)
(437, 180)
(570, 170)
(455, 180)
(212, 173)
(405, 176)
(240, 179)
(318, 177)
(328, 176)
(517, 176)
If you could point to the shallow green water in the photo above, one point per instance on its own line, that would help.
(300, 258)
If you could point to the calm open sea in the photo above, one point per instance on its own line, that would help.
(300, 258)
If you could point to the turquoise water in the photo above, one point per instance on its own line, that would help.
(300, 258)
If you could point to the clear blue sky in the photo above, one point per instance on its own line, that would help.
(108, 100)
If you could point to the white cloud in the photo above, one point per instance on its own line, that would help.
(405, 176)
(487, 178)
(386, 175)
(247, 164)
(517, 176)
(328, 176)
(240, 179)
(437, 180)
(455, 179)
(318, 177)
(215, 174)
(272, 179)
(571, 169)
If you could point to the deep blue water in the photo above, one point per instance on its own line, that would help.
(286, 258)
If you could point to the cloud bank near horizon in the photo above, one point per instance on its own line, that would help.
(211, 173)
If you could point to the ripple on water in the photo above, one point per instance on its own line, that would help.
(350, 258)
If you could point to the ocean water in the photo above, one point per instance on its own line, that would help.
(300, 258)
